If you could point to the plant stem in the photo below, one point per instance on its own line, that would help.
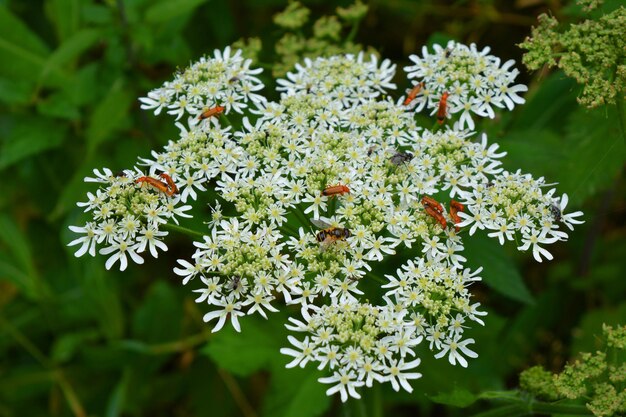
(353, 31)
(225, 119)
(551, 408)
(57, 374)
(183, 230)
(621, 115)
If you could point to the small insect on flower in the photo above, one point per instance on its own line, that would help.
(455, 207)
(173, 189)
(556, 212)
(214, 111)
(329, 234)
(443, 108)
(400, 158)
(168, 187)
(435, 210)
(413, 93)
(335, 190)
(235, 283)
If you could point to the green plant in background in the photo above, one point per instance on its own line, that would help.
(326, 34)
(598, 379)
(592, 52)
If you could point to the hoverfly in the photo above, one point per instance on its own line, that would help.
(400, 158)
(443, 108)
(329, 234)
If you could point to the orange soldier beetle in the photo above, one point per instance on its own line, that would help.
(455, 207)
(435, 210)
(214, 111)
(431, 202)
(413, 93)
(443, 105)
(170, 183)
(168, 188)
(335, 190)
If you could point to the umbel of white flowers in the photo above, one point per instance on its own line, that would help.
(317, 189)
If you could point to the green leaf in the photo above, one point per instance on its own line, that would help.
(595, 153)
(101, 298)
(58, 105)
(65, 16)
(30, 137)
(115, 406)
(15, 92)
(17, 264)
(547, 107)
(158, 318)
(588, 335)
(22, 53)
(69, 51)
(296, 392)
(65, 347)
(458, 397)
(499, 270)
(255, 348)
(535, 151)
(109, 114)
(169, 9)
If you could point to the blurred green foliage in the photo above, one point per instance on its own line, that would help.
(77, 340)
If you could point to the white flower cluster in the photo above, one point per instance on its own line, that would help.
(344, 78)
(514, 203)
(127, 217)
(222, 80)
(475, 81)
(318, 191)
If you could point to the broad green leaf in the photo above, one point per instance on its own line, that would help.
(30, 137)
(536, 151)
(168, 9)
(69, 51)
(15, 92)
(82, 90)
(102, 297)
(296, 392)
(548, 107)
(256, 347)
(458, 397)
(22, 52)
(115, 406)
(58, 105)
(67, 345)
(17, 264)
(499, 270)
(521, 334)
(588, 335)
(595, 153)
(158, 318)
(65, 16)
(109, 114)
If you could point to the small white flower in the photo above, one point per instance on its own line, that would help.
(346, 384)
(454, 348)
